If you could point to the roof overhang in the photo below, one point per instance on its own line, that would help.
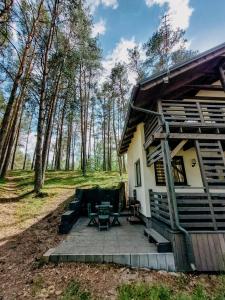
(172, 84)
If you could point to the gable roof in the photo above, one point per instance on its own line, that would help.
(201, 69)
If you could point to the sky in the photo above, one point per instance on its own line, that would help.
(122, 24)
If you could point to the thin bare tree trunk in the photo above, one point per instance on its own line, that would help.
(28, 135)
(68, 147)
(116, 142)
(15, 147)
(60, 136)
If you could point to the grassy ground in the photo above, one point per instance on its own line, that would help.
(28, 228)
(19, 207)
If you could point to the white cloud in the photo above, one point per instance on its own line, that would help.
(119, 54)
(93, 4)
(179, 11)
(99, 28)
(112, 3)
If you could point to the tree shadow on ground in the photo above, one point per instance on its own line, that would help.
(15, 199)
(20, 254)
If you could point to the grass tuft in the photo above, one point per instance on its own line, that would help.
(37, 285)
(142, 291)
(75, 292)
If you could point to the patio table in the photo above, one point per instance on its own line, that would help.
(103, 205)
(103, 212)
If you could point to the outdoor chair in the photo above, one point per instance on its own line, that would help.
(103, 217)
(91, 216)
(115, 220)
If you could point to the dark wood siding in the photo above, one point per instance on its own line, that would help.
(209, 251)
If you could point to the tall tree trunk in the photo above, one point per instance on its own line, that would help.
(11, 102)
(82, 121)
(14, 121)
(68, 147)
(60, 136)
(73, 151)
(104, 145)
(38, 177)
(116, 141)
(109, 167)
(48, 130)
(33, 159)
(17, 124)
(28, 135)
(15, 147)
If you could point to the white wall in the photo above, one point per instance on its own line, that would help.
(136, 151)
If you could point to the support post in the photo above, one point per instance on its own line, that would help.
(169, 179)
(173, 202)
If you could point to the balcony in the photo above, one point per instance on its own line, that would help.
(190, 113)
(196, 210)
(187, 117)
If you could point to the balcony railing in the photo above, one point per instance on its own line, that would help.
(196, 210)
(194, 112)
(188, 114)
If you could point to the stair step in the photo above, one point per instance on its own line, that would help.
(74, 205)
(163, 245)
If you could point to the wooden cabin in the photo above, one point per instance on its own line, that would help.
(174, 137)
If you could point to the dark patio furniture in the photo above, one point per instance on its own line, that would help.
(91, 216)
(106, 203)
(115, 220)
(103, 217)
(134, 206)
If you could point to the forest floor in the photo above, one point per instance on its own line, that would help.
(28, 228)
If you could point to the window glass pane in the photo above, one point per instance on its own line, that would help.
(178, 171)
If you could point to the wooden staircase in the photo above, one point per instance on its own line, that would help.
(212, 162)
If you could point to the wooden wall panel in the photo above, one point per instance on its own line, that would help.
(209, 251)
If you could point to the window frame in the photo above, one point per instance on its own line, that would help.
(184, 183)
(137, 168)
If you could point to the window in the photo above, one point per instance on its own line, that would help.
(178, 171)
(137, 167)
